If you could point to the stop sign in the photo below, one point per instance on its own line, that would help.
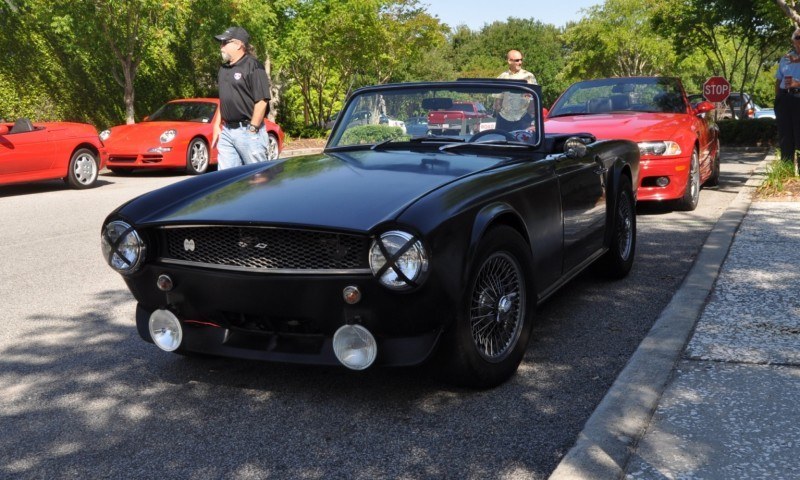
(716, 89)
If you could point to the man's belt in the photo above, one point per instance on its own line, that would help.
(240, 124)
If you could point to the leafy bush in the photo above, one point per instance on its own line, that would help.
(365, 134)
(779, 175)
(762, 132)
(303, 131)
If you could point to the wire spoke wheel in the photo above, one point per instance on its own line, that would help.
(497, 307)
(624, 226)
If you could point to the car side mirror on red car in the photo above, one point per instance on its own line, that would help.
(704, 107)
(3, 129)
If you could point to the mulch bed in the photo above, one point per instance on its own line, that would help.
(303, 143)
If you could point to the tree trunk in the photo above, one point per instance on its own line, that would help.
(129, 71)
(788, 11)
(274, 91)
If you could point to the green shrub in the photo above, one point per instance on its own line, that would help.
(366, 134)
(778, 174)
(298, 130)
(748, 133)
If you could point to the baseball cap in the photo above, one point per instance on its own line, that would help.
(234, 33)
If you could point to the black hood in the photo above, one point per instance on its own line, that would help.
(352, 191)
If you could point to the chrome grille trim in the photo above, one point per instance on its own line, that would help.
(265, 249)
(285, 271)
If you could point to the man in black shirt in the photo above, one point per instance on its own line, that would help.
(241, 137)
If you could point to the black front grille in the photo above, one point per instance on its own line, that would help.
(268, 249)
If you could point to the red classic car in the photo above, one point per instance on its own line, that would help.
(679, 145)
(177, 135)
(46, 151)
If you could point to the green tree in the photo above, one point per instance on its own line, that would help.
(789, 10)
(123, 33)
(332, 46)
(43, 74)
(737, 37)
(616, 39)
(483, 53)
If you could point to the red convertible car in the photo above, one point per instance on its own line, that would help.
(177, 135)
(679, 146)
(46, 151)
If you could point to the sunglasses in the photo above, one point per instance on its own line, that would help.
(225, 42)
(515, 59)
(796, 38)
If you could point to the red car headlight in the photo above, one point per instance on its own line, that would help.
(666, 147)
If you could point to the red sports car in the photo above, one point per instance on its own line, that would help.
(679, 145)
(177, 135)
(46, 151)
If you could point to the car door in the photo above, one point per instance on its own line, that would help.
(24, 155)
(583, 199)
(705, 128)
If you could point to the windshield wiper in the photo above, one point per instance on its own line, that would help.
(491, 143)
(379, 145)
(416, 140)
(434, 138)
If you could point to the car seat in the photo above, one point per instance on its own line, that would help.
(21, 125)
(598, 105)
(620, 101)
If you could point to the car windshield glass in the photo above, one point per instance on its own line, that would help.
(201, 112)
(657, 95)
(452, 112)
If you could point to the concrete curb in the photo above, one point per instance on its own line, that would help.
(610, 436)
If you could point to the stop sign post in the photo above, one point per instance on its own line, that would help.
(716, 89)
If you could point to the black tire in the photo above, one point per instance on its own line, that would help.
(488, 339)
(197, 157)
(691, 196)
(273, 148)
(713, 180)
(83, 170)
(618, 260)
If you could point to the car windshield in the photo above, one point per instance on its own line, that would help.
(656, 95)
(485, 112)
(200, 112)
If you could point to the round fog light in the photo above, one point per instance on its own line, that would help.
(351, 294)
(354, 346)
(165, 330)
(662, 181)
(164, 283)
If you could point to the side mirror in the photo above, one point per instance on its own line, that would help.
(575, 147)
(3, 129)
(704, 107)
(545, 112)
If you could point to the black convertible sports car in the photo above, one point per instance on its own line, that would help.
(388, 248)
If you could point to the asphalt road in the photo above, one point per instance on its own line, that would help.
(81, 396)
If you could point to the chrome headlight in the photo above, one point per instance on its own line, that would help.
(168, 136)
(105, 134)
(398, 260)
(667, 147)
(122, 246)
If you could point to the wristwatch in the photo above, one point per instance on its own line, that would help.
(252, 128)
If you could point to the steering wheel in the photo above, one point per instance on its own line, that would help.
(493, 131)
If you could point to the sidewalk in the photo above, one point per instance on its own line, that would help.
(713, 391)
